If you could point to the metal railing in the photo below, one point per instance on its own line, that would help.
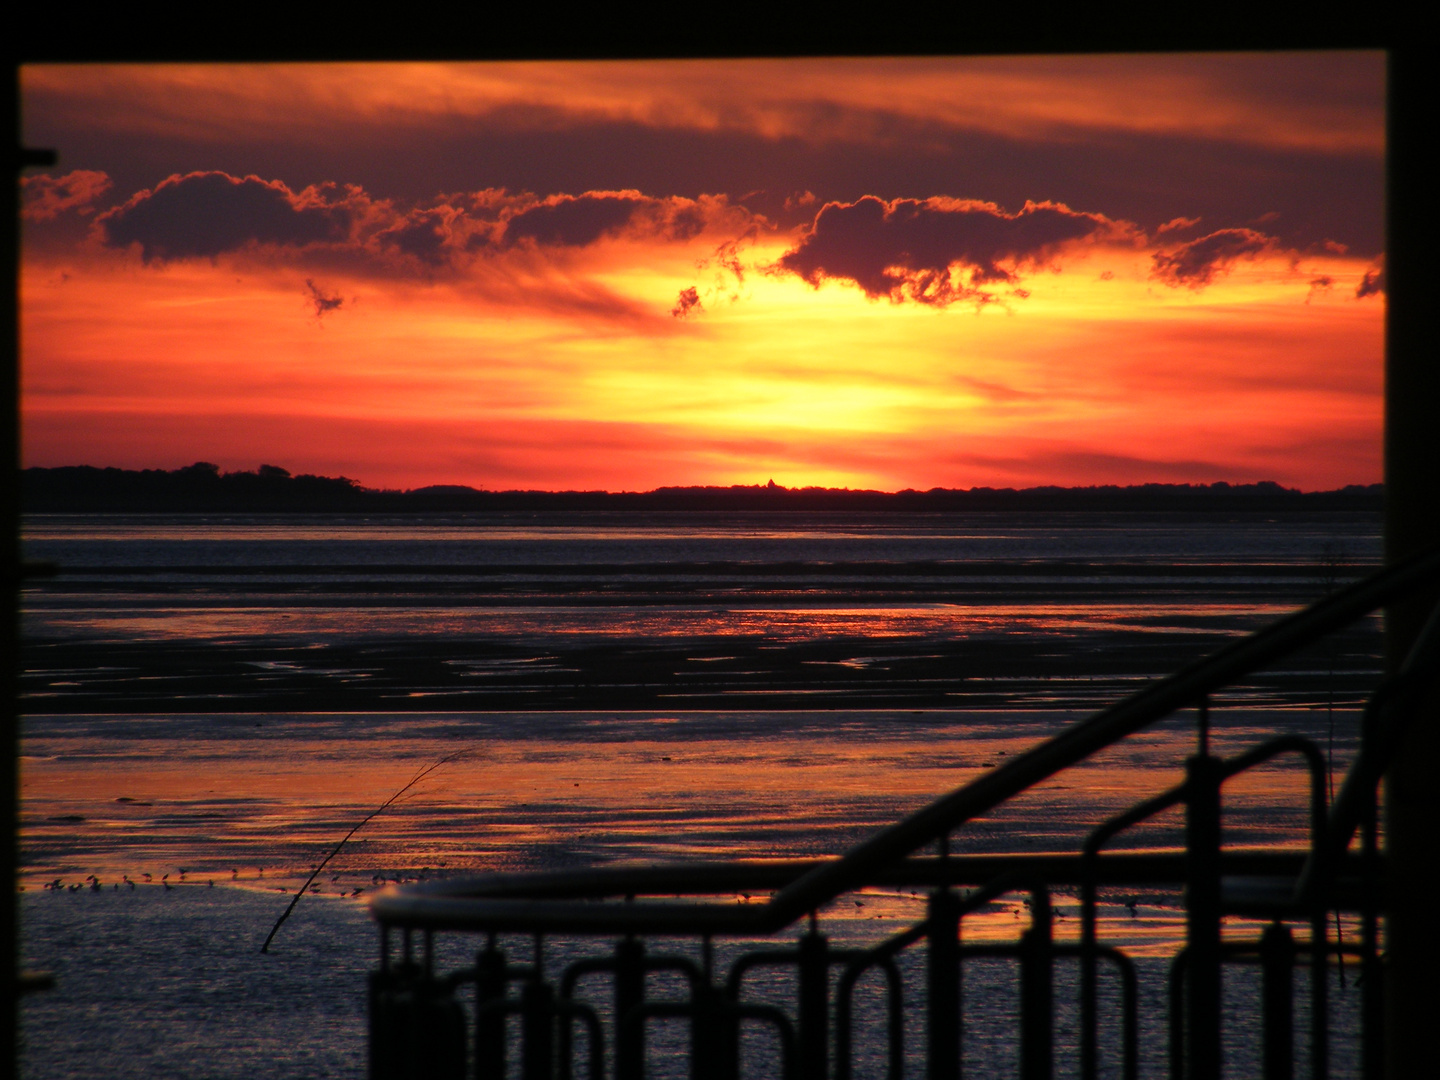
(422, 1024)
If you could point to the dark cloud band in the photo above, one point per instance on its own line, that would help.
(206, 214)
(936, 251)
(568, 221)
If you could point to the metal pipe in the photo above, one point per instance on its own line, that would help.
(1319, 994)
(942, 976)
(813, 1012)
(1179, 971)
(570, 1009)
(1036, 991)
(1372, 1021)
(1277, 952)
(1076, 743)
(1202, 917)
(883, 955)
(629, 994)
(490, 985)
(537, 1019)
(441, 907)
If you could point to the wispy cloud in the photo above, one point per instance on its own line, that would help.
(45, 197)
(1197, 263)
(688, 301)
(1373, 283)
(323, 302)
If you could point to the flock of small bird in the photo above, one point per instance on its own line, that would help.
(94, 884)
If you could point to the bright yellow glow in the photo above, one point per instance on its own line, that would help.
(561, 364)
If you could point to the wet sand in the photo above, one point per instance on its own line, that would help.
(171, 980)
(257, 800)
(723, 694)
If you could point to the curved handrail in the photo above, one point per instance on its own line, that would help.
(453, 905)
(1177, 691)
(1383, 722)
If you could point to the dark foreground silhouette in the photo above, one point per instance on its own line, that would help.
(203, 488)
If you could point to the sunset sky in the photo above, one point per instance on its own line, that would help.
(878, 273)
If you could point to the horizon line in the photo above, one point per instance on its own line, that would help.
(278, 474)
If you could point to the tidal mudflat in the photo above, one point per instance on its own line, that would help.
(222, 700)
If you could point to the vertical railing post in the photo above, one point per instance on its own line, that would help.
(1179, 976)
(1036, 991)
(1277, 961)
(814, 1005)
(384, 1038)
(1320, 993)
(629, 994)
(537, 1026)
(1372, 1001)
(490, 979)
(1089, 1053)
(943, 1036)
(537, 1021)
(715, 1030)
(387, 1033)
(1202, 903)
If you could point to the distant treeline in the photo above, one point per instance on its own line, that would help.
(203, 488)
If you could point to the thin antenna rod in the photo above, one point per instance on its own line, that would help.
(336, 850)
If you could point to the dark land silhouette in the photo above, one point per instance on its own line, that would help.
(203, 488)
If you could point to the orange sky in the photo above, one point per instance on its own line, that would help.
(905, 273)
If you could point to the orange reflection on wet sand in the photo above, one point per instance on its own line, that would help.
(140, 617)
(246, 802)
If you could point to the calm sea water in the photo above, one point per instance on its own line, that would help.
(221, 698)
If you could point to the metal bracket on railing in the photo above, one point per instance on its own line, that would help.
(713, 1014)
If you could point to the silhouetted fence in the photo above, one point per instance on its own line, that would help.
(492, 1017)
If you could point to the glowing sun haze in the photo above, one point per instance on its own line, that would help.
(863, 272)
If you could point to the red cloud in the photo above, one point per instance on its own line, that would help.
(1195, 264)
(1373, 283)
(688, 301)
(47, 197)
